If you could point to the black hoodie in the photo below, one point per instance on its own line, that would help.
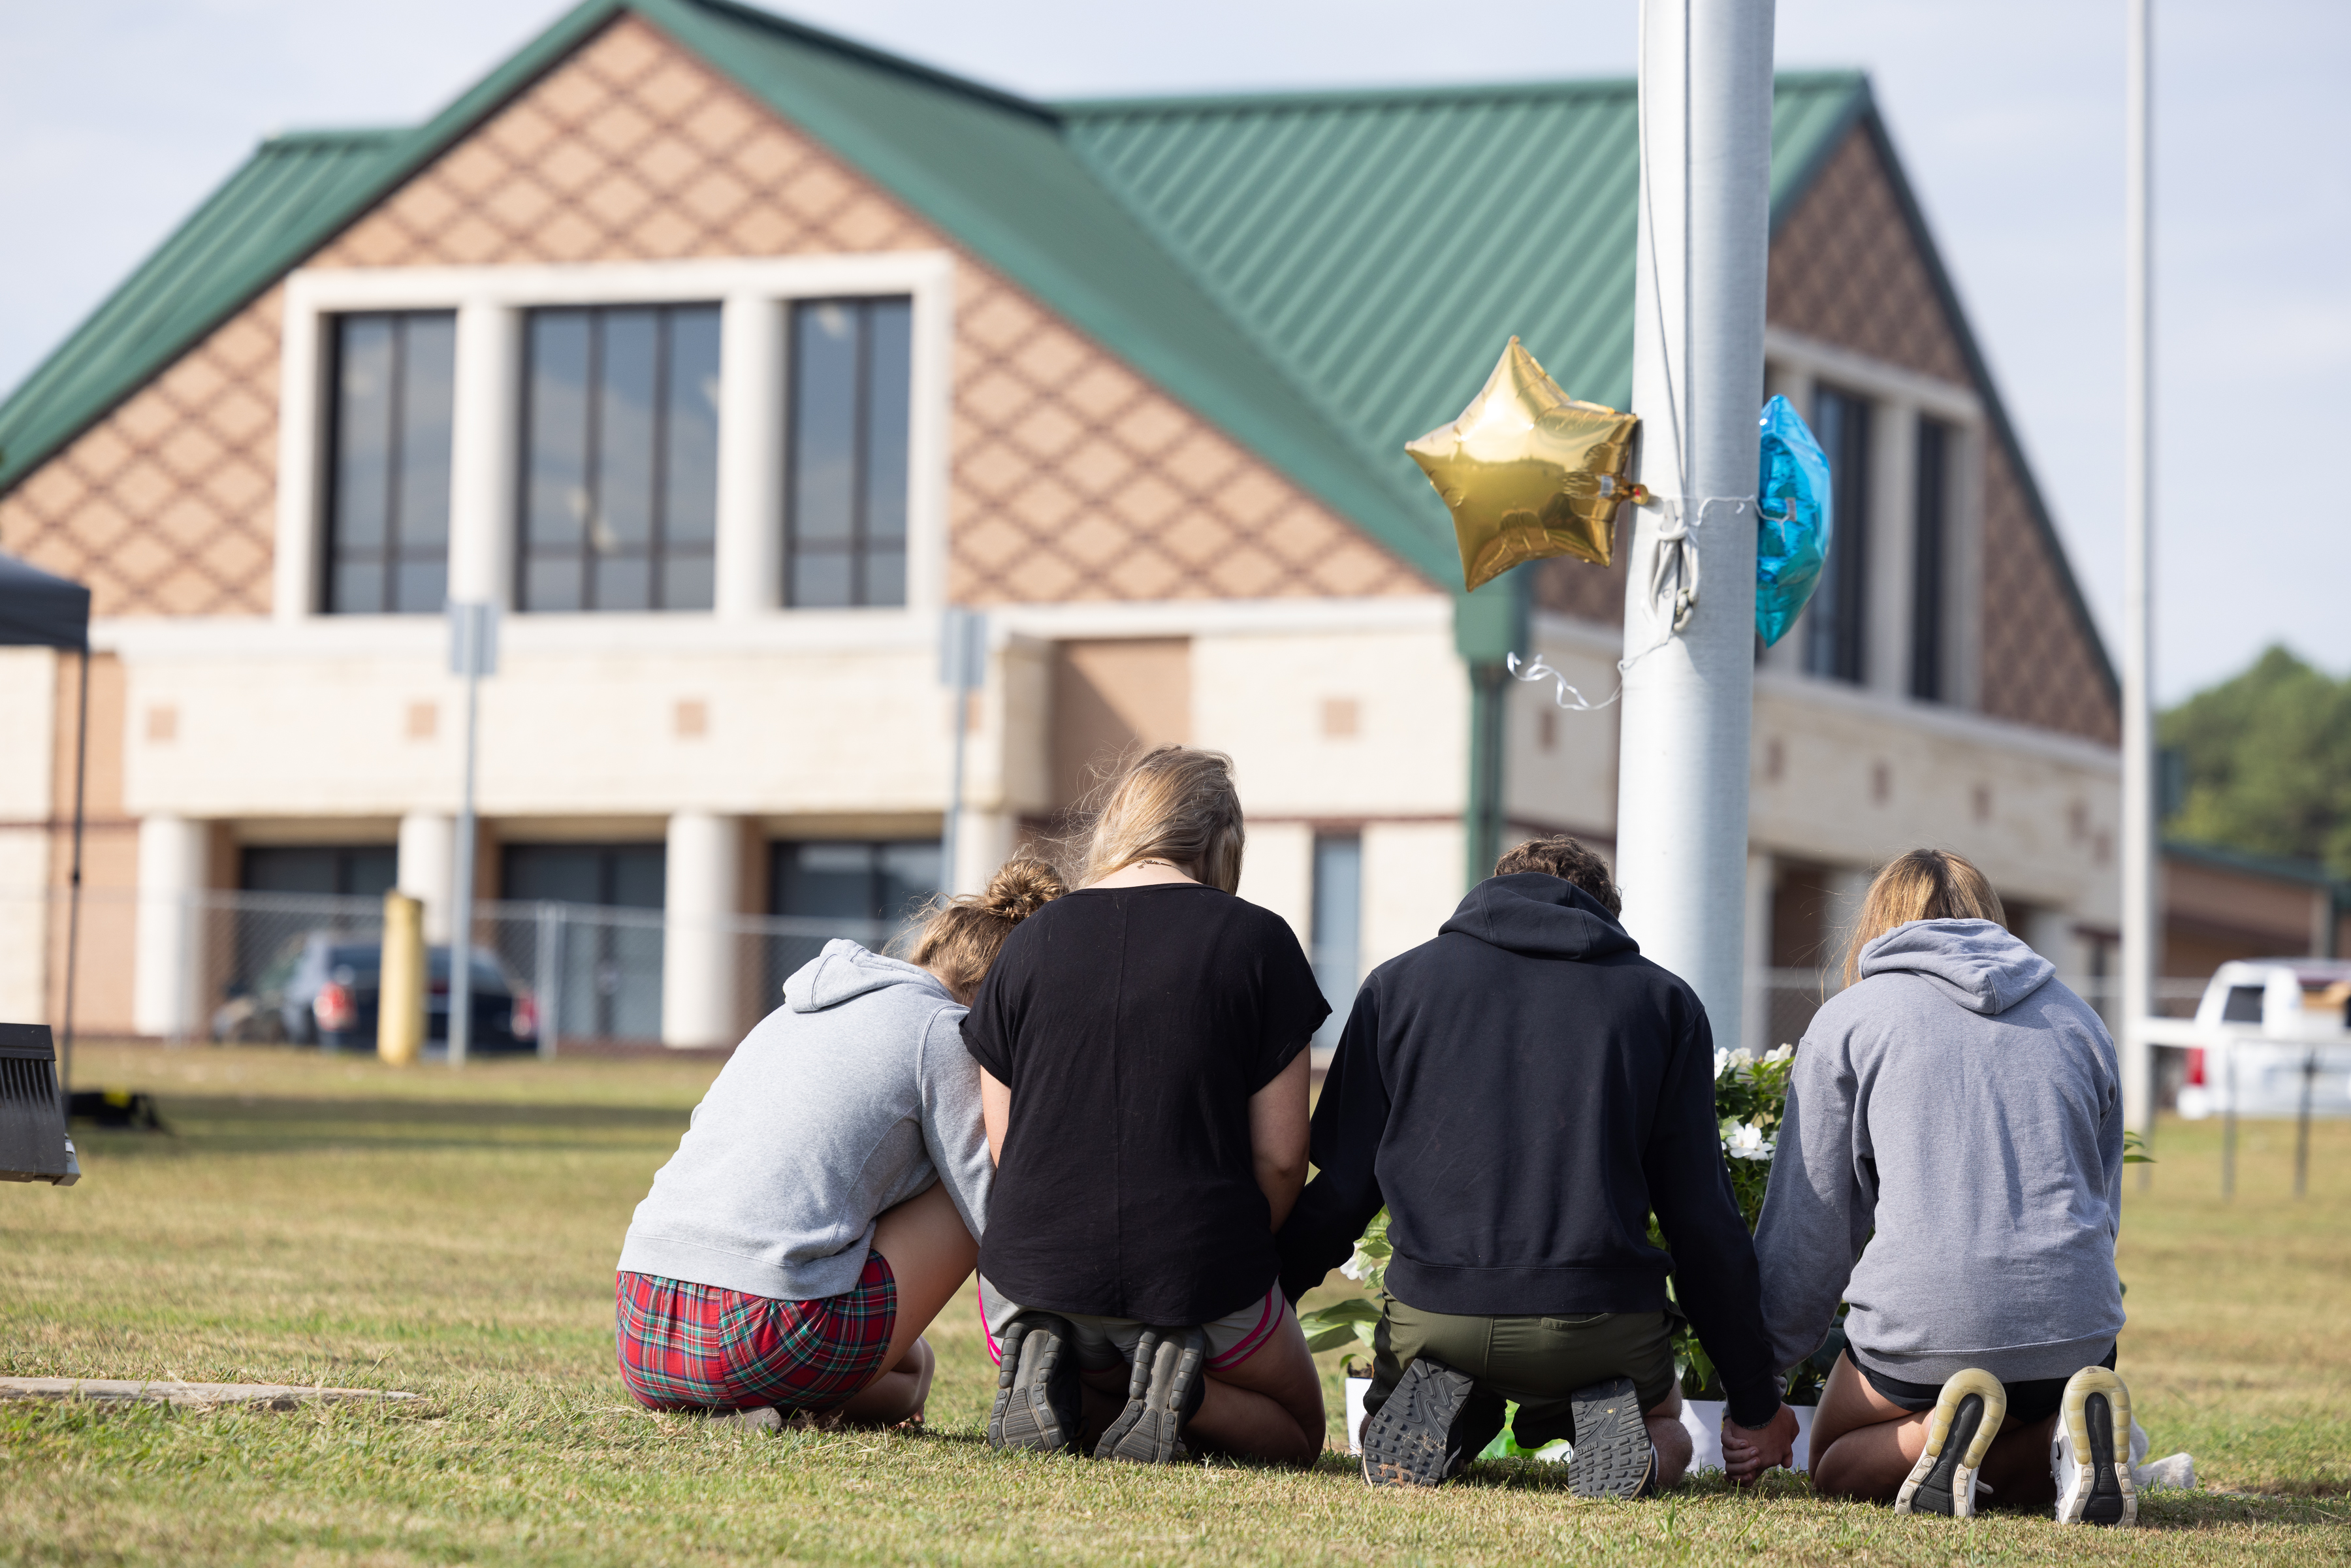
(1521, 1092)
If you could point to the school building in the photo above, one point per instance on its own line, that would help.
(725, 355)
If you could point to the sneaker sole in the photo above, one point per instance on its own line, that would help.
(2096, 1407)
(1037, 1401)
(1611, 1455)
(1966, 1417)
(1168, 1365)
(1415, 1439)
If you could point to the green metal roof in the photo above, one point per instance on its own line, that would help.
(1384, 245)
(1322, 275)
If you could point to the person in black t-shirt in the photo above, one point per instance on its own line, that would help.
(1141, 1043)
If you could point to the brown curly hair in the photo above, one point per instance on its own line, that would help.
(1570, 859)
(961, 936)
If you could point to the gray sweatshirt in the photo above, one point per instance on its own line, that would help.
(853, 1097)
(1967, 1106)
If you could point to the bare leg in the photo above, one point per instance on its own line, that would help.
(1668, 1437)
(1269, 1406)
(930, 1256)
(1865, 1444)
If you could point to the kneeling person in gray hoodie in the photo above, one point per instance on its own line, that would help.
(1950, 1163)
(831, 1188)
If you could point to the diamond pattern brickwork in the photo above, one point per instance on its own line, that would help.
(168, 504)
(2039, 666)
(1071, 478)
(1843, 270)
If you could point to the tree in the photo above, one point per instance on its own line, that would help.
(2267, 758)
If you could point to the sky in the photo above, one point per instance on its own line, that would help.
(118, 116)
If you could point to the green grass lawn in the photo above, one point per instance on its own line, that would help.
(328, 1220)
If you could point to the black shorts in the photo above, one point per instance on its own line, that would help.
(2035, 1399)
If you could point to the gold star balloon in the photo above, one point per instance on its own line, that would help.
(1529, 471)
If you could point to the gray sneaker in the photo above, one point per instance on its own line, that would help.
(1169, 1380)
(1612, 1456)
(1039, 1402)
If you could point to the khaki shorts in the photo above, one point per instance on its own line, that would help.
(1537, 1361)
(1106, 1342)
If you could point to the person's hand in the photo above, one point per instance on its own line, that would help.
(1748, 1452)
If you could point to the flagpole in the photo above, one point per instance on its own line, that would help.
(2141, 917)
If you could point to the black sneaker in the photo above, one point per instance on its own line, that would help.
(1039, 1402)
(1967, 1417)
(1612, 1455)
(1169, 1380)
(1420, 1438)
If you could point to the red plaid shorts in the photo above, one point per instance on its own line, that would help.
(700, 1347)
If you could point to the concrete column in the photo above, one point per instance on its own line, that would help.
(1277, 874)
(986, 843)
(750, 456)
(484, 433)
(699, 944)
(1893, 544)
(1755, 1023)
(428, 849)
(164, 1000)
(2050, 933)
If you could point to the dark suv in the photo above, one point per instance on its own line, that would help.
(324, 991)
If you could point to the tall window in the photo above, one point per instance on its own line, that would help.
(388, 489)
(1338, 926)
(609, 965)
(1927, 560)
(620, 458)
(1836, 628)
(850, 881)
(845, 508)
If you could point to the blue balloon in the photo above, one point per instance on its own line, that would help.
(1792, 527)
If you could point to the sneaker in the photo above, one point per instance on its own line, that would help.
(1967, 1417)
(1039, 1402)
(1169, 1380)
(1421, 1437)
(2095, 1484)
(1611, 1455)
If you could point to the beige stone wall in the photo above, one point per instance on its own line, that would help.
(1071, 477)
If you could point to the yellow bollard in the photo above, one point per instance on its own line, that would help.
(399, 993)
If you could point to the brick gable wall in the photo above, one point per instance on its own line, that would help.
(1071, 477)
(1846, 270)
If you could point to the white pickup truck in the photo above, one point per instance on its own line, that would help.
(2266, 1031)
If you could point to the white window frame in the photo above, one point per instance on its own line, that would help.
(755, 298)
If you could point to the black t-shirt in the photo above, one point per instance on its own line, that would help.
(1131, 1025)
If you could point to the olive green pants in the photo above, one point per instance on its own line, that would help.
(1539, 1363)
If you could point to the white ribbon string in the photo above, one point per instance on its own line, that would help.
(1537, 670)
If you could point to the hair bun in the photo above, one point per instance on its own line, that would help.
(1020, 887)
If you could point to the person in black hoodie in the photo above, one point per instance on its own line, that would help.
(1522, 1094)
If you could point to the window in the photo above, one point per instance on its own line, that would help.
(1338, 927)
(1927, 560)
(350, 870)
(846, 490)
(620, 461)
(855, 883)
(609, 963)
(387, 546)
(1834, 628)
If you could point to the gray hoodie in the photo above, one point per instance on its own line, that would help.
(853, 1097)
(1967, 1105)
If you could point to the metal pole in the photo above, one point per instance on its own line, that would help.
(461, 919)
(550, 978)
(2227, 1123)
(73, 895)
(1698, 375)
(2142, 916)
(2301, 1125)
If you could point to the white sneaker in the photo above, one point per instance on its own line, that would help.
(1966, 1417)
(2093, 1473)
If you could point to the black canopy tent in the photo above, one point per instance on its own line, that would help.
(39, 610)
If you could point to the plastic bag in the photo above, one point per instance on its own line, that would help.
(1794, 522)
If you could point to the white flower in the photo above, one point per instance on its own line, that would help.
(1745, 1141)
(1783, 1053)
(1357, 1266)
(1721, 1060)
(1732, 1062)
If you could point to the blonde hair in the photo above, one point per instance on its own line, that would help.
(1173, 803)
(1923, 884)
(961, 936)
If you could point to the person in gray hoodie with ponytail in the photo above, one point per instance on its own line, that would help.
(1950, 1163)
(832, 1189)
